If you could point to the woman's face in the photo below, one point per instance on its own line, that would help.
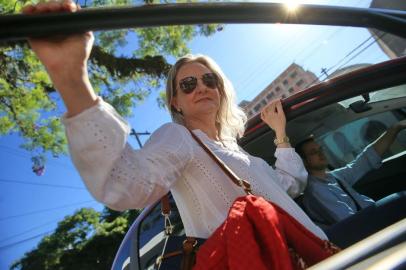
(204, 100)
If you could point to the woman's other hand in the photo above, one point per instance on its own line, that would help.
(274, 116)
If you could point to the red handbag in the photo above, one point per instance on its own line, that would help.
(260, 235)
(257, 234)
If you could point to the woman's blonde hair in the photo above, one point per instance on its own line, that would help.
(230, 119)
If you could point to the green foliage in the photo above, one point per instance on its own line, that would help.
(84, 240)
(8, 6)
(161, 100)
(125, 67)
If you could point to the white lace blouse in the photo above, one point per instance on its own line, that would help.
(124, 178)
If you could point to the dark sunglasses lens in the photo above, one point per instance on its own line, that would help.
(187, 85)
(210, 80)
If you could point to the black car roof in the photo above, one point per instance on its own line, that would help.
(22, 26)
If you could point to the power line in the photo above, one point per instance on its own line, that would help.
(348, 54)
(296, 57)
(25, 240)
(319, 37)
(282, 50)
(20, 153)
(44, 210)
(40, 184)
(29, 230)
(247, 80)
(312, 52)
(369, 45)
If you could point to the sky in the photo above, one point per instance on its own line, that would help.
(250, 55)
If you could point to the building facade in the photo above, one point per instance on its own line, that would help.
(393, 46)
(289, 82)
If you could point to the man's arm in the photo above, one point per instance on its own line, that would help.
(370, 158)
(382, 144)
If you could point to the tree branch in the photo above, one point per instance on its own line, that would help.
(125, 67)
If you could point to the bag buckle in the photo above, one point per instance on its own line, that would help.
(186, 241)
(168, 225)
(245, 185)
(158, 262)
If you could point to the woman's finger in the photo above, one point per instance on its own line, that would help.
(279, 107)
(44, 7)
(70, 6)
(54, 6)
(266, 108)
(41, 8)
(273, 106)
(28, 9)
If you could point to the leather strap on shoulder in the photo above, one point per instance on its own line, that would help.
(236, 180)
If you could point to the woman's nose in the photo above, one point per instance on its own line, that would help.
(201, 87)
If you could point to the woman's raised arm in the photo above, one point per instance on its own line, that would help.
(65, 59)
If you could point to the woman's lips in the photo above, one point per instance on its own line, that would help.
(203, 99)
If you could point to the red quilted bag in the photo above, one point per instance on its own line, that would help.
(258, 234)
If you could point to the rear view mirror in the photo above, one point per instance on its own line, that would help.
(361, 105)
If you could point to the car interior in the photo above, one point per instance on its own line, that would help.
(344, 133)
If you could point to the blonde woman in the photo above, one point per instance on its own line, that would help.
(201, 99)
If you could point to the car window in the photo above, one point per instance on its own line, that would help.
(344, 143)
(385, 94)
(123, 260)
(151, 236)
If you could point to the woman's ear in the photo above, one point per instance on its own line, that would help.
(174, 103)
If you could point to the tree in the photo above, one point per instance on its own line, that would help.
(85, 240)
(29, 105)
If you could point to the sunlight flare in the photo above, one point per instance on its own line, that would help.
(291, 5)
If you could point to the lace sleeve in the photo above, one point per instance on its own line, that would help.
(117, 175)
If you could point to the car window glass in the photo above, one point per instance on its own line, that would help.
(345, 143)
(151, 237)
(385, 94)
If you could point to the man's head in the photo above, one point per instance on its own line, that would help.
(312, 154)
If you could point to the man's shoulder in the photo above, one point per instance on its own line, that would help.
(317, 181)
(316, 185)
(311, 186)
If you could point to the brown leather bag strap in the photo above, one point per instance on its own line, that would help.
(189, 245)
(165, 206)
(236, 180)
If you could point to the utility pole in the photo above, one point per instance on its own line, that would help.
(324, 71)
(137, 134)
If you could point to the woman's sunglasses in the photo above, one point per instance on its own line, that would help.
(188, 84)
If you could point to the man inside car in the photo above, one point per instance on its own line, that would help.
(330, 198)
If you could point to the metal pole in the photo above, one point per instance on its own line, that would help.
(18, 26)
(137, 134)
